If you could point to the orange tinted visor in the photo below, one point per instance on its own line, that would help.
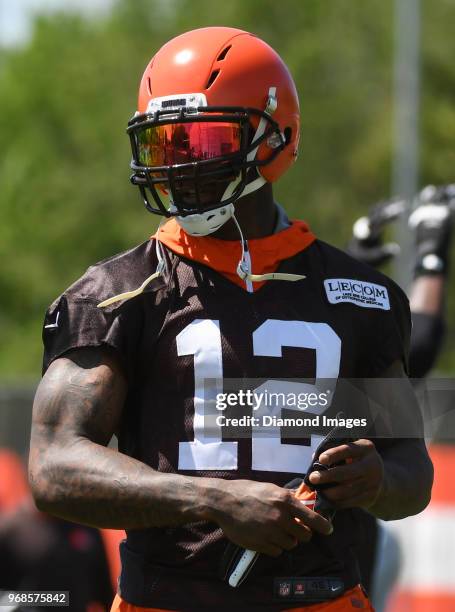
(182, 143)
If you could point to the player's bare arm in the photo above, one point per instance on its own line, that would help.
(392, 484)
(78, 407)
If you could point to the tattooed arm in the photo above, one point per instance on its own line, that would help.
(77, 409)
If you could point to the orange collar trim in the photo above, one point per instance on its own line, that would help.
(224, 255)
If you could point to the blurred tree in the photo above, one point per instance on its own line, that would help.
(65, 98)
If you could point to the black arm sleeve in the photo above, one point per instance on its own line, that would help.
(395, 333)
(426, 341)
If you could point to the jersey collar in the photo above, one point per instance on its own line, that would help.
(223, 255)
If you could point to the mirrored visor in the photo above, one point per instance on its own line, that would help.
(182, 143)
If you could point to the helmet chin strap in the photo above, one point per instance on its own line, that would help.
(203, 224)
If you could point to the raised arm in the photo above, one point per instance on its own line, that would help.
(78, 407)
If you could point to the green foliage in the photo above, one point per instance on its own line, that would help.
(65, 98)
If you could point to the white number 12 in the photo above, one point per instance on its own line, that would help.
(202, 338)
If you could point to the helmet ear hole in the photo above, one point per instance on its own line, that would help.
(287, 134)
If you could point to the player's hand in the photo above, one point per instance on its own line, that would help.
(266, 518)
(367, 244)
(359, 482)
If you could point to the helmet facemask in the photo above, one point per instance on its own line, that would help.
(194, 159)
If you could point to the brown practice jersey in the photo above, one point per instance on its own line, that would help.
(192, 325)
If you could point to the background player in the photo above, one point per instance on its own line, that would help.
(431, 222)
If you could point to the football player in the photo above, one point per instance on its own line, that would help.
(227, 288)
(431, 222)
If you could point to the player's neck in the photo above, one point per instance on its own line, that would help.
(256, 214)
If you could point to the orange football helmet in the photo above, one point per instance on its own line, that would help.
(218, 116)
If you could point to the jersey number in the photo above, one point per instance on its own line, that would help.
(202, 338)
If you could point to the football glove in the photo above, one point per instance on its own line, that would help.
(366, 244)
(237, 562)
(431, 221)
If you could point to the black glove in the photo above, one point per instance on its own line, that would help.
(323, 505)
(238, 562)
(367, 244)
(431, 221)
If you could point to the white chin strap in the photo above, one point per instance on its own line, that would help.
(206, 223)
